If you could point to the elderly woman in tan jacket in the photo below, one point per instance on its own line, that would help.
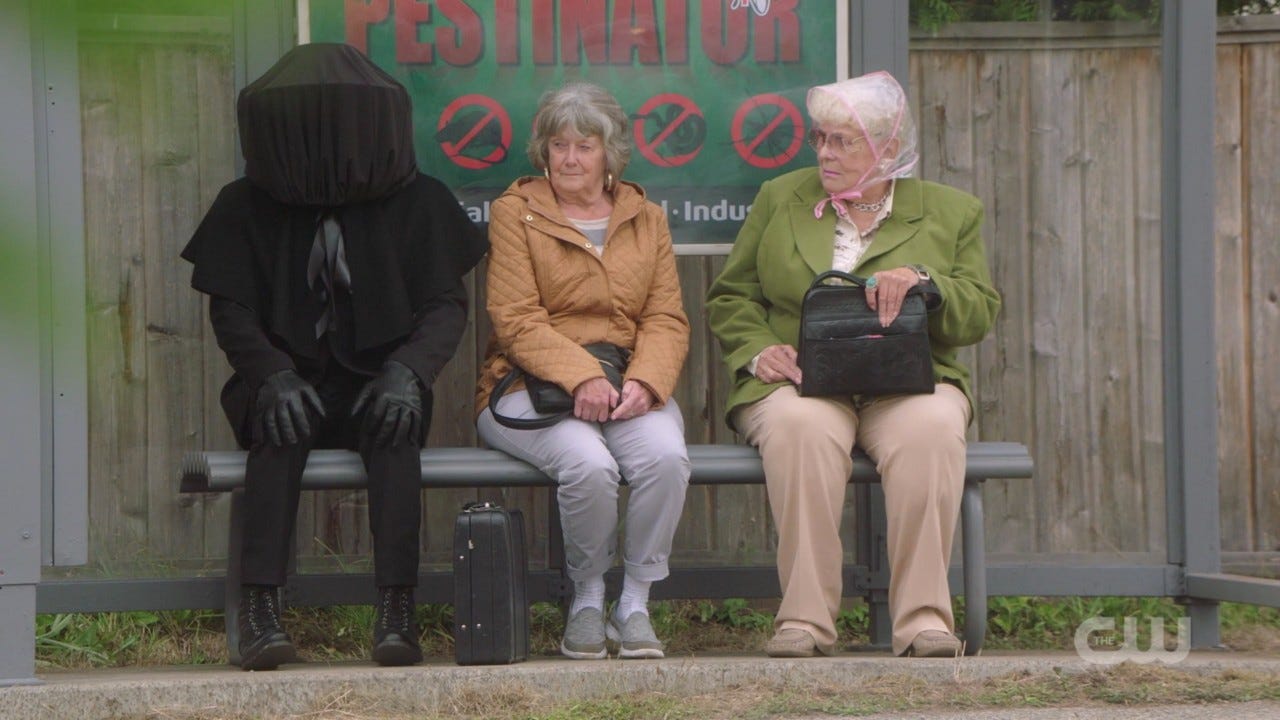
(580, 257)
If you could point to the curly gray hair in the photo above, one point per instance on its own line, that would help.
(588, 110)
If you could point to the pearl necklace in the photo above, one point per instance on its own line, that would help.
(869, 207)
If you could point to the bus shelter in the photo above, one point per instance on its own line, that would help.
(1121, 163)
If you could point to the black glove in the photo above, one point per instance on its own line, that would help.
(280, 409)
(396, 413)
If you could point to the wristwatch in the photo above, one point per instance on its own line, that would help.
(922, 273)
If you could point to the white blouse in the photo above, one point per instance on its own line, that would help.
(850, 244)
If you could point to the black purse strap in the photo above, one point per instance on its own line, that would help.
(500, 390)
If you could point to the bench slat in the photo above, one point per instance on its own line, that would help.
(222, 471)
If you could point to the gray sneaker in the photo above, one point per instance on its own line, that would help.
(584, 635)
(635, 637)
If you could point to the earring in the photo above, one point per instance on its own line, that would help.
(608, 182)
(546, 170)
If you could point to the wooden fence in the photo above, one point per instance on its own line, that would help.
(1061, 140)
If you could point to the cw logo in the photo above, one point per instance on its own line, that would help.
(1129, 650)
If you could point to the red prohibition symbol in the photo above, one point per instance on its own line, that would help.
(774, 110)
(481, 123)
(669, 130)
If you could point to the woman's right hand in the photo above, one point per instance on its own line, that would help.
(777, 363)
(594, 399)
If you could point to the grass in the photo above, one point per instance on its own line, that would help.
(79, 640)
(1027, 623)
(698, 626)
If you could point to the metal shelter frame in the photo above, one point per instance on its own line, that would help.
(43, 515)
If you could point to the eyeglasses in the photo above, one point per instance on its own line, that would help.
(842, 144)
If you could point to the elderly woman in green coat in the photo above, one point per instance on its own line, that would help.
(858, 212)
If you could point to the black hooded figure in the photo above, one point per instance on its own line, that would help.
(334, 273)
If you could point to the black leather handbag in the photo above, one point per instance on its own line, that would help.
(551, 400)
(845, 351)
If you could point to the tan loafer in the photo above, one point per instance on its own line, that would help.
(935, 643)
(791, 643)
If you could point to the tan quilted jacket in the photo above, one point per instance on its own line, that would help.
(549, 294)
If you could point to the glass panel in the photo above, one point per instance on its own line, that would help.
(1247, 259)
(1050, 113)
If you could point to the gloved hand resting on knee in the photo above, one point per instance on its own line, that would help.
(280, 415)
(395, 415)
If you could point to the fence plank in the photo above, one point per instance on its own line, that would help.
(1113, 480)
(1002, 373)
(217, 151)
(174, 315)
(1150, 251)
(1057, 302)
(1231, 311)
(695, 532)
(110, 113)
(1263, 183)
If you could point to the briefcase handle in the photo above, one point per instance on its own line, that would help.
(928, 291)
(847, 277)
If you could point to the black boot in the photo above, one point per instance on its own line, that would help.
(395, 635)
(264, 645)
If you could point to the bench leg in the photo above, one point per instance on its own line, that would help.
(231, 599)
(975, 568)
(873, 553)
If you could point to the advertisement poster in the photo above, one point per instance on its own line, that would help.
(714, 88)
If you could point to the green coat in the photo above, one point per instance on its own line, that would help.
(781, 248)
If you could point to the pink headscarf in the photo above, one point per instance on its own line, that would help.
(877, 105)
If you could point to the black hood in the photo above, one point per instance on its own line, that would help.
(325, 127)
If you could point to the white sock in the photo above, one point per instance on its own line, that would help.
(635, 598)
(588, 593)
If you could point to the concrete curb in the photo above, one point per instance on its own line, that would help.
(439, 686)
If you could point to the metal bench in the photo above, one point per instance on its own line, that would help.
(214, 472)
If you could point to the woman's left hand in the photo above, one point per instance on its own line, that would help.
(890, 290)
(636, 401)
(593, 399)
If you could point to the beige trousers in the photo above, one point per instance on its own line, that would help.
(917, 443)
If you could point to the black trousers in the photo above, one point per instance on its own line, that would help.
(273, 479)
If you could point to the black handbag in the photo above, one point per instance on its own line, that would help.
(548, 398)
(844, 350)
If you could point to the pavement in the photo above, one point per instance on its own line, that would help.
(439, 687)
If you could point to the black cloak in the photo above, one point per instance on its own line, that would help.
(327, 133)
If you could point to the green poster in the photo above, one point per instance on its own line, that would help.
(714, 88)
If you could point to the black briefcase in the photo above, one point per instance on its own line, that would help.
(845, 351)
(490, 607)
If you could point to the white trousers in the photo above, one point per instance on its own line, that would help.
(589, 460)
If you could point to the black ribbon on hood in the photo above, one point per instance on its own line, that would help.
(406, 238)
